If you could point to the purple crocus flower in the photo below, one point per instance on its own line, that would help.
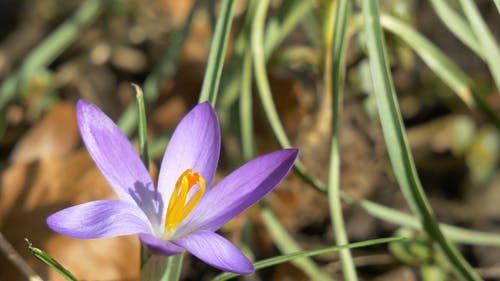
(184, 212)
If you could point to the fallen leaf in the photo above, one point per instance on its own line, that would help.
(32, 191)
(55, 135)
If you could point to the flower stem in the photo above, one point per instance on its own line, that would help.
(162, 268)
(173, 270)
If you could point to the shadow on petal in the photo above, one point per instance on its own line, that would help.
(149, 200)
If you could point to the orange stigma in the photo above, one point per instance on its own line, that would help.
(178, 208)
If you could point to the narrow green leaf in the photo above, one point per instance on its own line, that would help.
(287, 245)
(49, 49)
(143, 127)
(440, 64)
(397, 145)
(337, 19)
(212, 14)
(257, 42)
(286, 258)
(289, 257)
(217, 51)
(246, 115)
(264, 89)
(488, 44)
(12, 258)
(231, 74)
(48, 260)
(164, 69)
(311, 24)
(454, 233)
(280, 24)
(457, 234)
(382, 212)
(143, 151)
(388, 214)
(153, 267)
(443, 66)
(457, 25)
(287, 16)
(279, 235)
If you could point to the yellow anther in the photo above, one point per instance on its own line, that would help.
(178, 209)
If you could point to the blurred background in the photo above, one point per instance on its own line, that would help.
(54, 52)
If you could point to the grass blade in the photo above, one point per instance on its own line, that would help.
(338, 14)
(457, 25)
(490, 48)
(245, 106)
(444, 67)
(285, 242)
(397, 145)
(217, 52)
(48, 260)
(280, 24)
(454, 233)
(153, 267)
(143, 127)
(12, 259)
(143, 151)
(437, 61)
(286, 18)
(49, 49)
(165, 68)
(257, 42)
(287, 245)
(285, 258)
(382, 212)
(264, 89)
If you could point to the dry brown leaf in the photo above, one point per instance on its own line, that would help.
(32, 191)
(55, 135)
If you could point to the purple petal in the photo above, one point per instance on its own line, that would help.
(238, 191)
(160, 246)
(104, 218)
(216, 251)
(195, 145)
(116, 158)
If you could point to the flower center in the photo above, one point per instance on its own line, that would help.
(178, 208)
